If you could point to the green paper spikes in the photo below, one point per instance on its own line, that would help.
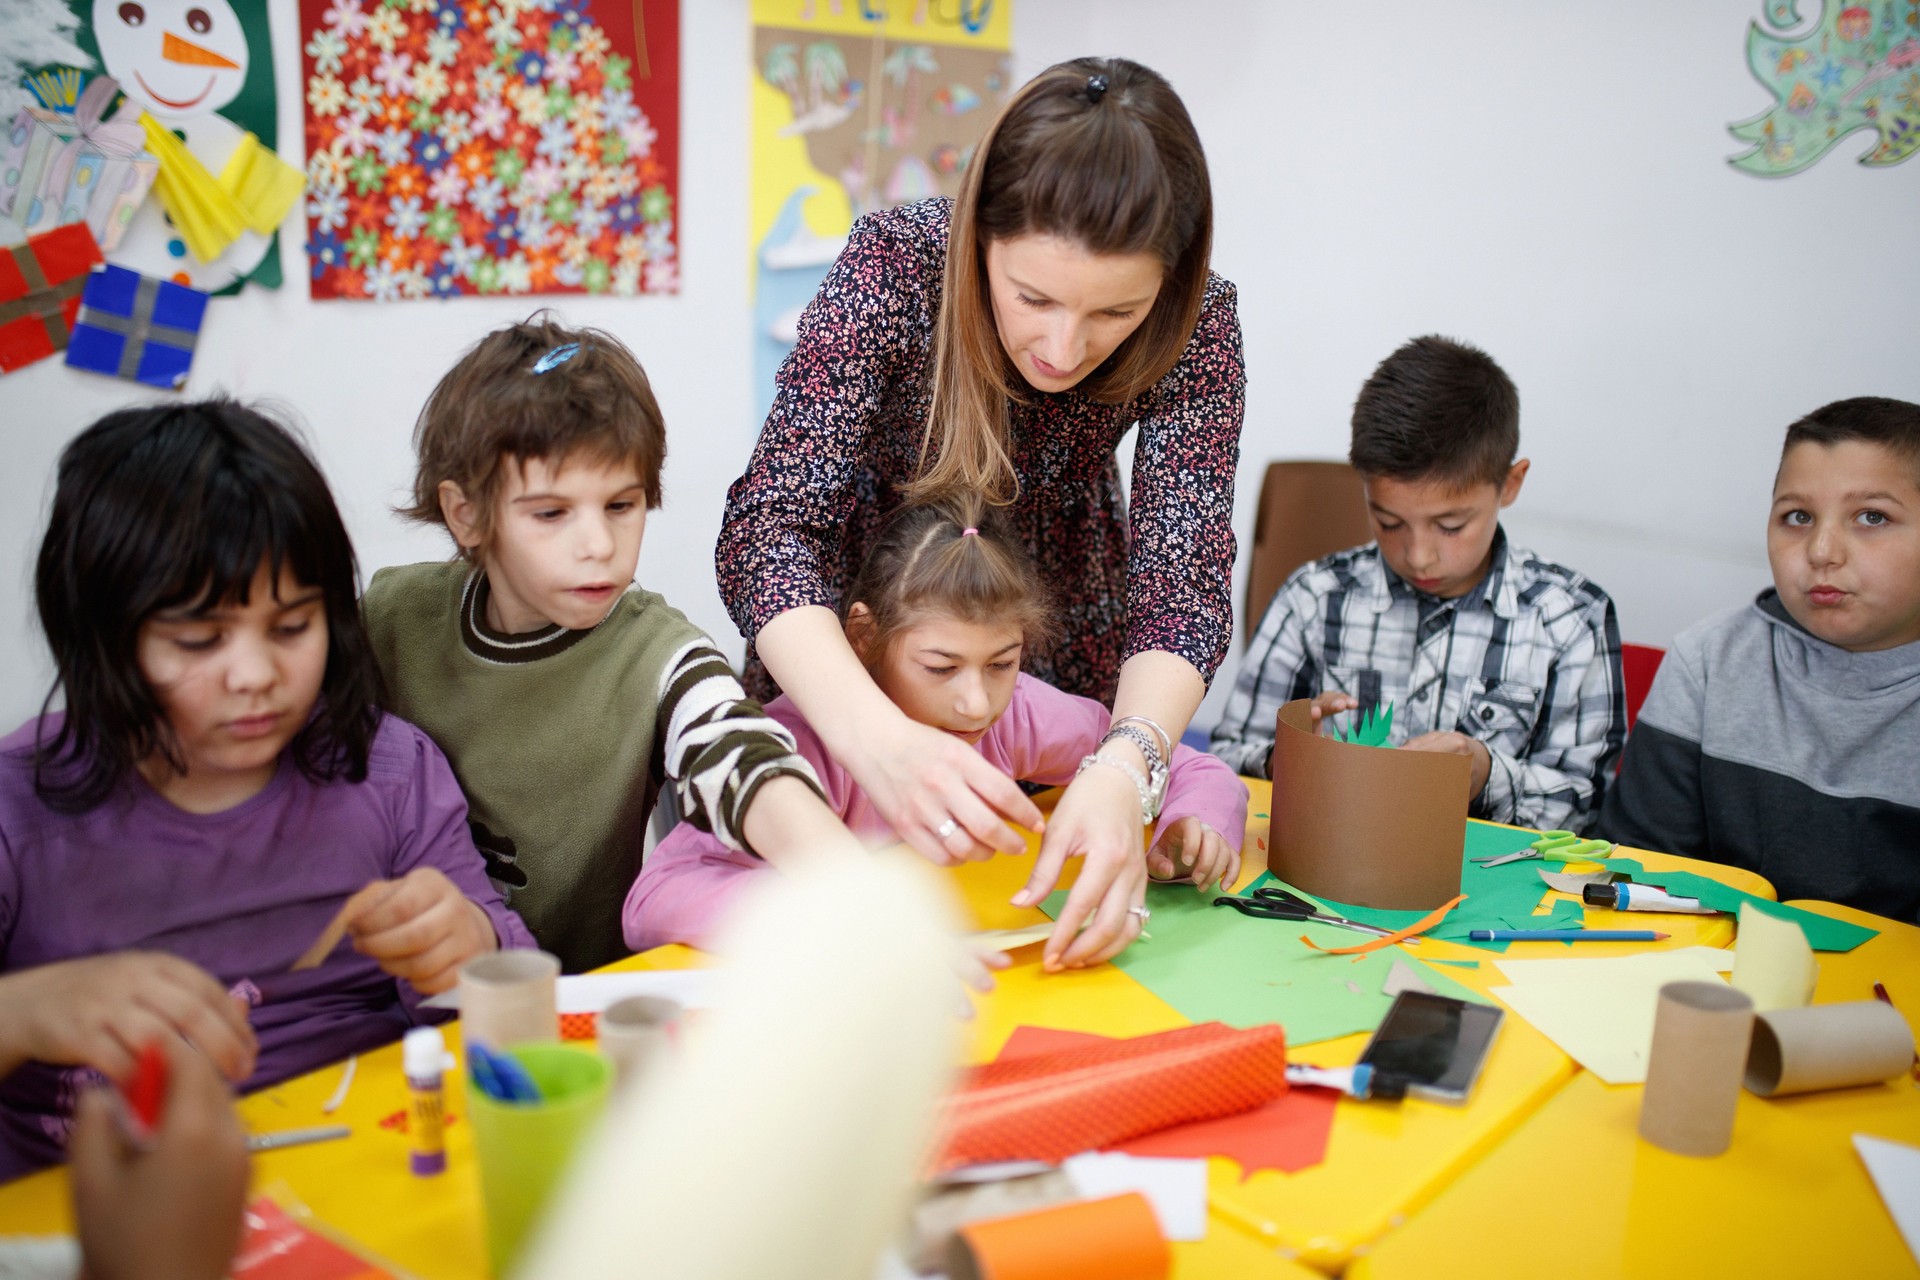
(1370, 730)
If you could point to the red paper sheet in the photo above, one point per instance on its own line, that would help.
(1289, 1133)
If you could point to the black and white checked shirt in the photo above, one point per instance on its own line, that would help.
(1528, 662)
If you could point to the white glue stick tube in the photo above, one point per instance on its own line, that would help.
(1643, 897)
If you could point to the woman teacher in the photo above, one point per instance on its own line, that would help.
(1004, 342)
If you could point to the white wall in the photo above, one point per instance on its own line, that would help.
(1544, 182)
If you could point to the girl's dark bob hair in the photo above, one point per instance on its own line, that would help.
(176, 507)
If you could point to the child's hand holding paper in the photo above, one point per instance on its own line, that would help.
(420, 928)
(99, 1011)
(1330, 703)
(1192, 850)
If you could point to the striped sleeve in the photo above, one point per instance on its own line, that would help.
(1279, 667)
(719, 747)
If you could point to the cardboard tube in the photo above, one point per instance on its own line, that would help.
(1828, 1046)
(1700, 1035)
(509, 998)
(1365, 825)
(1113, 1239)
(636, 1033)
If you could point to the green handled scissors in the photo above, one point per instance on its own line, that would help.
(1553, 846)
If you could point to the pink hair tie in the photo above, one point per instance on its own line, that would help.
(969, 532)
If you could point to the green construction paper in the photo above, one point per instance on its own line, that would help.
(1369, 730)
(1824, 933)
(1215, 965)
(1457, 964)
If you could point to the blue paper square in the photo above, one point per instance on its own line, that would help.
(165, 338)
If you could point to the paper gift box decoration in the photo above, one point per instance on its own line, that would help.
(40, 285)
(1048, 1106)
(133, 326)
(78, 166)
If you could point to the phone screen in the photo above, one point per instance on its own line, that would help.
(1436, 1043)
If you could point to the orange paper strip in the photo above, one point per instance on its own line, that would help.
(1421, 925)
(337, 927)
(1049, 1106)
(1113, 1239)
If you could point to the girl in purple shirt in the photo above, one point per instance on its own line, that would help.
(221, 785)
(944, 613)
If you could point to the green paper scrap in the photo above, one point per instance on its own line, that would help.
(1457, 964)
(1369, 730)
(1824, 933)
(1215, 965)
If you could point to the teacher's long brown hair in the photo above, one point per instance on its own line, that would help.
(1099, 151)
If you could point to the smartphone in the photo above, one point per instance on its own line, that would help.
(1434, 1044)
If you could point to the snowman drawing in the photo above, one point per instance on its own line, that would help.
(181, 60)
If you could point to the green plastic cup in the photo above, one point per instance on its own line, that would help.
(525, 1147)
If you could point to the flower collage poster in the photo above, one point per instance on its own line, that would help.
(461, 147)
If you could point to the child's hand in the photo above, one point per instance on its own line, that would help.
(1458, 744)
(98, 1012)
(170, 1211)
(1192, 850)
(975, 966)
(420, 928)
(1330, 703)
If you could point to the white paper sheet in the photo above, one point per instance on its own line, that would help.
(1177, 1189)
(1895, 1170)
(593, 992)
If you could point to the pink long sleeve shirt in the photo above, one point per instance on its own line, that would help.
(689, 880)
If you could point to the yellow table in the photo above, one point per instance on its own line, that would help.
(1575, 1193)
(1383, 1163)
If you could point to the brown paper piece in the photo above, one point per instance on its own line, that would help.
(1772, 961)
(1700, 1035)
(509, 998)
(1365, 825)
(1827, 1046)
(937, 1218)
(1113, 1239)
(343, 919)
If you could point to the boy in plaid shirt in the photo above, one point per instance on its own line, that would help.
(1484, 649)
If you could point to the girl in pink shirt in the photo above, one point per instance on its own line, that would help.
(941, 614)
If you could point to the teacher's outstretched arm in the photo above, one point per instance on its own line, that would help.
(919, 778)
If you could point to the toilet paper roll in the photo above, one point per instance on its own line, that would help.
(1700, 1036)
(1828, 1046)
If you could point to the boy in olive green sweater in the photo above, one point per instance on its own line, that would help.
(563, 694)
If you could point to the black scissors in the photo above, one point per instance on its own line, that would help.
(1271, 903)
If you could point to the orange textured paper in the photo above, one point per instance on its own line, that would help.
(1049, 1106)
(1113, 1239)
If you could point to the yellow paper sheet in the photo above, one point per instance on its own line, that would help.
(1773, 962)
(1601, 1013)
(1700, 963)
(1009, 939)
(262, 185)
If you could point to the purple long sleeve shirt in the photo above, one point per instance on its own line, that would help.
(240, 893)
(689, 882)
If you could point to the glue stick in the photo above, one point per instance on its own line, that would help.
(423, 1057)
(1642, 897)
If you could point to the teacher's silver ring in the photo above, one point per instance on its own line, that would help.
(946, 828)
(1142, 912)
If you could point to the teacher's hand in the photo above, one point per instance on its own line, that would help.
(1098, 820)
(939, 795)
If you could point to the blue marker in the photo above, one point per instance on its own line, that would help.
(1566, 935)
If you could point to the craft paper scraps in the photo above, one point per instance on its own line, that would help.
(40, 286)
(1574, 883)
(1403, 978)
(1177, 1189)
(1418, 927)
(1701, 963)
(1602, 1017)
(1049, 1106)
(133, 326)
(1772, 962)
(1215, 965)
(1288, 1134)
(1824, 933)
(1010, 939)
(493, 147)
(1895, 1170)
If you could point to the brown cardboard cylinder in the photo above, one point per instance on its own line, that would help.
(510, 997)
(1117, 1238)
(1700, 1035)
(1365, 825)
(1828, 1046)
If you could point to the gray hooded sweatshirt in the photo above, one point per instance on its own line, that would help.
(1761, 746)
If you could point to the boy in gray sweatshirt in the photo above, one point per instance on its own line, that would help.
(1784, 736)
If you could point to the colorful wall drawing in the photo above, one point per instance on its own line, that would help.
(857, 105)
(462, 147)
(1856, 68)
(203, 69)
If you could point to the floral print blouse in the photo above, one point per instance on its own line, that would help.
(845, 431)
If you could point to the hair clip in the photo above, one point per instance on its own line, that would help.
(1096, 88)
(556, 357)
(969, 532)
